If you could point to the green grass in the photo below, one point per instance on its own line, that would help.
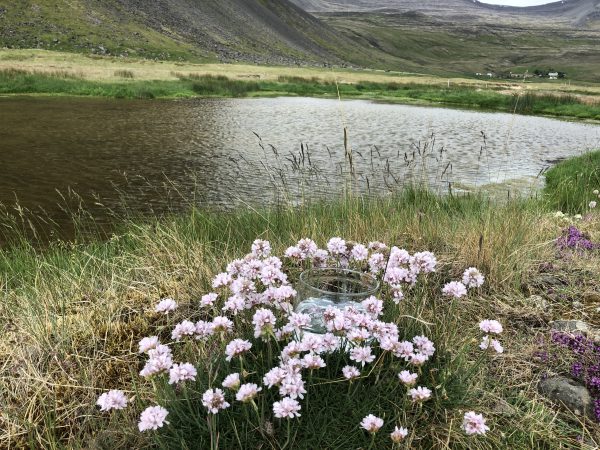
(77, 310)
(569, 184)
(14, 81)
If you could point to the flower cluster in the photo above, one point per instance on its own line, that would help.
(472, 278)
(490, 327)
(254, 293)
(585, 366)
(574, 239)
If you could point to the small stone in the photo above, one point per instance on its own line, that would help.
(503, 408)
(538, 302)
(591, 297)
(571, 326)
(574, 396)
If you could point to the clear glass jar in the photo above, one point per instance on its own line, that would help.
(319, 289)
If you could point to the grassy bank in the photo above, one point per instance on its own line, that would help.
(568, 183)
(17, 81)
(73, 313)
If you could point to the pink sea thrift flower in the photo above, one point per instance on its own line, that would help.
(592, 204)
(182, 372)
(486, 342)
(359, 252)
(287, 408)
(263, 321)
(473, 278)
(237, 347)
(312, 361)
(274, 377)
(490, 326)
(113, 399)
(350, 372)
(398, 434)
(247, 392)
(423, 262)
(221, 324)
(371, 423)
(474, 423)
(261, 249)
(408, 378)
(307, 248)
(377, 263)
(420, 394)
(153, 418)
(362, 355)
(185, 328)
(222, 279)
(454, 289)
(337, 246)
(232, 381)
(166, 305)
(148, 343)
(208, 300)
(214, 400)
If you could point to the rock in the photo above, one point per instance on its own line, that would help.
(537, 302)
(571, 326)
(591, 297)
(569, 393)
(503, 408)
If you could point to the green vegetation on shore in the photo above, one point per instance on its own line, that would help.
(568, 183)
(72, 313)
(15, 81)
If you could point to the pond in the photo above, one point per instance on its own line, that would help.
(157, 156)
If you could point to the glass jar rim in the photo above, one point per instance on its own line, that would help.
(367, 292)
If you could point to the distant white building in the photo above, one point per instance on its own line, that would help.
(553, 75)
(490, 74)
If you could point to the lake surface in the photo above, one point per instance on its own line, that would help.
(163, 155)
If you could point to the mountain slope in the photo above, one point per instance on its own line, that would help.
(574, 12)
(268, 31)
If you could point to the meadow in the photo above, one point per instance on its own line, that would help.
(48, 73)
(72, 315)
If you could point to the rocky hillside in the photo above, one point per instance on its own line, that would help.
(261, 31)
(574, 12)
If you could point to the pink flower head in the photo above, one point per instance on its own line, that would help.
(221, 324)
(420, 394)
(153, 418)
(113, 399)
(423, 262)
(398, 257)
(232, 381)
(490, 326)
(373, 306)
(221, 280)
(247, 392)
(237, 347)
(261, 249)
(148, 343)
(287, 408)
(455, 289)
(307, 248)
(359, 252)
(424, 345)
(377, 262)
(263, 321)
(185, 328)
(418, 359)
(362, 355)
(592, 204)
(350, 372)
(337, 246)
(371, 423)
(398, 434)
(474, 423)
(214, 400)
(312, 361)
(274, 377)
(182, 372)
(408, 378)
(208, 299)
(166, 305)
(473, 278)
(486, 343)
